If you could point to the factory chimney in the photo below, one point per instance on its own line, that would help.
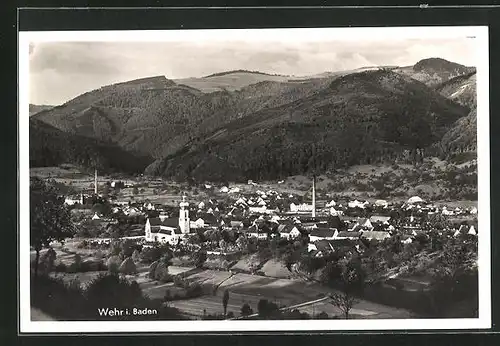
(95, 182)
(314, 197)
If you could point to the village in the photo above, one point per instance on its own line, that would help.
(255, 244)
(268, 214)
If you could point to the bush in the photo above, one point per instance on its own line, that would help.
(60, 267)
(246, 310)
(128, 266)
(322, 316)
(47, 260)
(112, 291)
(152, 269)
(90, 266)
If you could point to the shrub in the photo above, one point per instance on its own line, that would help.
(60, 267)
(111, 290)
(322, 316)
(194, 290)
(47, 261)
(89, 266)
(113, 264)
(152, 269)
(246, 310)
(128, 266)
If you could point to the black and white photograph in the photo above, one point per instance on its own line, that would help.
(251, 179)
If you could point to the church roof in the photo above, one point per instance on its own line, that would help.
(167, 222)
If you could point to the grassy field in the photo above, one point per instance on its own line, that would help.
(246, 288)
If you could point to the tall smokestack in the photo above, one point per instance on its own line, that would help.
(314, 197)
(95, 182)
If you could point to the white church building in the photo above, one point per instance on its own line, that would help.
(169, 229)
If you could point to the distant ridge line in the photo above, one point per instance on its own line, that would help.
(242, 71)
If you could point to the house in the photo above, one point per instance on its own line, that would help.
(236, 224)
(301, 208)
(234, 190)
(322, 233)
(465, 229)
(256, 232)
(415, 200)
(323, 247)
(149, 206)
(335, 212)
(224, 189)
(447, 212)
(72, 200)
(377, 235)
(359, 225)
(331, 204)
(170, 236)
(288, 231)
(406, 239)
(96, 217)
(472, 230)
(380, 219)
(258, 210)
(357, 204)
(365, 223)
(348, 235)
(381, 203)
(199, 223)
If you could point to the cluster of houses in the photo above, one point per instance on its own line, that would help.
(267, 214)
(260, 216)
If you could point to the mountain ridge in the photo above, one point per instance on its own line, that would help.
(159, 117)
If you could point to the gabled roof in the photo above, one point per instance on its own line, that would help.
(323, 245)
(323, 232)
(168, 222)
(357, 228)
(379, 235)
(337, 243)
(379, 218)
(363, 220)
(348, 234)
(464, 228)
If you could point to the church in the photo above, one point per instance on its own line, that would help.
(169, 230)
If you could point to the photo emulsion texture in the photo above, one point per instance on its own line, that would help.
(235, 180)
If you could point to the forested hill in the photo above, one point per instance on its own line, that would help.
(33, 109)
(355, 116)
(435, 71)
(52, 147)
(159, 119)
(359, 118)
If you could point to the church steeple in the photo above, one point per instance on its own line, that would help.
(184, 216)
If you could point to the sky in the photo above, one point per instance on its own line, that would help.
(60, 71)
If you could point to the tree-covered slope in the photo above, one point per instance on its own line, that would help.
(361, 117)
(51, 147)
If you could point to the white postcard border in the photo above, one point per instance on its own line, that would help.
(480, 34)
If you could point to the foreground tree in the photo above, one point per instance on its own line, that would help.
(246, 310)
(349, 279)
(50, 220)
(225, 300)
